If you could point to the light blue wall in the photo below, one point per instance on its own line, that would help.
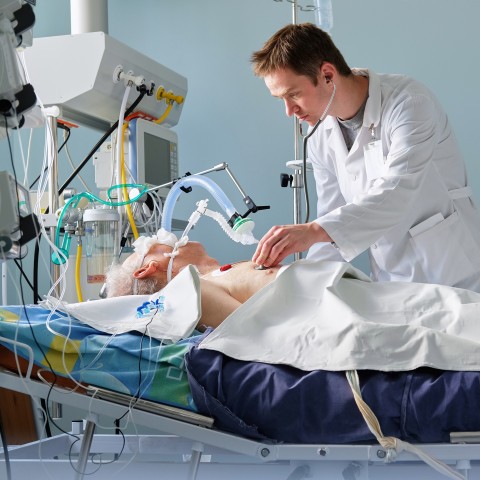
(229, 115)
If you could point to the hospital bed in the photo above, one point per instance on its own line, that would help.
(201, 430)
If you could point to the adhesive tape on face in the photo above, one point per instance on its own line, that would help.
(166, 238)
(143, 244)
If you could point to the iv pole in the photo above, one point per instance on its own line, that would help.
(297, 177)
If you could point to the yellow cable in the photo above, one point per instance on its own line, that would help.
(124, 181)
(166, 113)
(78, 285)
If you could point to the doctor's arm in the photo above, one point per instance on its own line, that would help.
(281, 241)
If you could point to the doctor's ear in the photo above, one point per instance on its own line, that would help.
(327, 71)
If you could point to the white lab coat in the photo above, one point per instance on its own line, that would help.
(413, 209)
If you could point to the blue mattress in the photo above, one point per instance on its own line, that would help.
(256, 400)
(284, 404)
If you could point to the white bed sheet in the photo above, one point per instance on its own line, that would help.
(329, 316)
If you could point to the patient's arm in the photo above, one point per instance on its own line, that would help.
(217, 303)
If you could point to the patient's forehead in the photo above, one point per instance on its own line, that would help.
(158, 250)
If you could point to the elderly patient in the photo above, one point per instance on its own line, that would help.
(386, 319)
(223, 288)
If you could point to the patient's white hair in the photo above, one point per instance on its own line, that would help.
(120, 281)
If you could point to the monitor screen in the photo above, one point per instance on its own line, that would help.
(157, 151)
(154, 154)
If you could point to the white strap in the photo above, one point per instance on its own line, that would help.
(393, 445)
(181, 243)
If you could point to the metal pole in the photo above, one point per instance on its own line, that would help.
(297, 185)
(197, 450)
(216, 168)
(296, 123)
(297, 182)
(234, 180)
(85, 447)
(53, 186)
(4, 282)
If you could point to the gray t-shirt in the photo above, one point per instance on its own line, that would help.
(351, 127)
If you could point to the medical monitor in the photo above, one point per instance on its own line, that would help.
(153, 154)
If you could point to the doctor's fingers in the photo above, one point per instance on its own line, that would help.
(274, 247)
(265, 244)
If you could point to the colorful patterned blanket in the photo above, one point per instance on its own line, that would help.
(130, 363)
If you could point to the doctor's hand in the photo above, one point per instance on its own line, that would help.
(281, 241)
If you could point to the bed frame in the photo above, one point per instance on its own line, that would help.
(189, 447)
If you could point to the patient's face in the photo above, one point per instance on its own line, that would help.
(192, 253)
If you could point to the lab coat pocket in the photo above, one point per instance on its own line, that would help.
(439, 247)
(374, 160)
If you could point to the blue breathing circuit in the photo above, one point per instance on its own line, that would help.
(242, 226)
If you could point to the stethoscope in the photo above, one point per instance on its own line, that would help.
(305, 140)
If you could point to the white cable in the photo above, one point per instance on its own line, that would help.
(16, 344)
(70, 161)
(394, 445)
(21, 59)
(25, 178)
(329, 104)
(117, 160)
(24, 163)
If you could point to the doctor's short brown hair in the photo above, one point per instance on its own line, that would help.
(302, 48)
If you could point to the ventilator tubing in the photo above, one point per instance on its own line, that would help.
(194, 180)
(245, 238)
(219, 195)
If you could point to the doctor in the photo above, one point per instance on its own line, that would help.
(389, 175)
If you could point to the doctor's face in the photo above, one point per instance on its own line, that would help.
(302, 98)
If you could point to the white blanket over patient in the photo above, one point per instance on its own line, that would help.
(168, 315)
(330, 316)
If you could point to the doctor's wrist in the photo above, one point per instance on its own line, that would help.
(319, 234)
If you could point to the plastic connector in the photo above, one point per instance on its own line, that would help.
(162, 94)
(128, 78)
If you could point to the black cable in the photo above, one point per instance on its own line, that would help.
(132, 107)
(36, 257)
(17, 263)
(5, 451)
(48, 431)
(59, 150)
